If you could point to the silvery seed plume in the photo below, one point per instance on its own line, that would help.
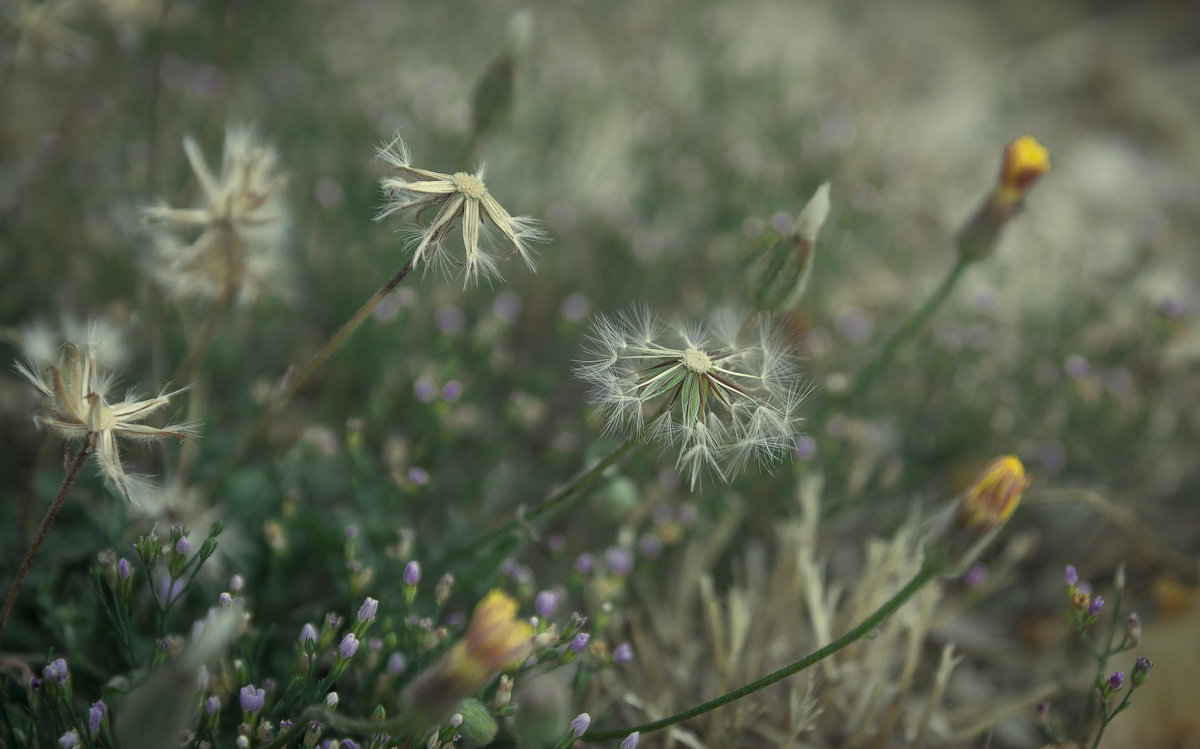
(241, 222)
(457, 197)
(721, 395)
(75, 405)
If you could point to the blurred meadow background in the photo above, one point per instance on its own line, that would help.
(661, 145)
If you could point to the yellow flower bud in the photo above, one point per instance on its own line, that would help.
(994, 494)
(1024, 161)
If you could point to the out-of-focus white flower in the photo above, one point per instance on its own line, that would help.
(242, 225)
(722, 394)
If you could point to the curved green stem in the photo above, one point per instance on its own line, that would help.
(910, 328)
(933, 566)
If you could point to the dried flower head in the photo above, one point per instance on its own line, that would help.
(75, 406)
(723, 394)
(459, 196)
(242, 224)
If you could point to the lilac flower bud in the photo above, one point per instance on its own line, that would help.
(452, 390)
(182, 546)
(34, 682)
(418, 476)
(1141, 671)
(252, 699)
(169, 591)
(366, 612)
(442, 591)
(584, 563)
(351, 532)
(580, 725)
(456, 720)
(579, 642)
(69, 740)
(348, 647)
(212, 705)
(225, 599)
(630, 741)
(396, 663)
(349, 744)
(56, 671)
(412, 573)
(623, 653)
(236, 583)
(123, 569)
(619, 561)
(331, 700)
(1072, 576)
(1116, 681)
(1094, 607)
(286, 725)
(545, 603)
(96, 714)
(308, 633)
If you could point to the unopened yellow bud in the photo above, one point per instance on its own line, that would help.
(994, 494)
(1024, 161)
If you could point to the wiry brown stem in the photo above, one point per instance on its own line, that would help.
(89, 443)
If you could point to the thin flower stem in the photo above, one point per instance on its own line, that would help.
(291, 382)
(89, 443)
(553, 503)
(933, 566)
(910, 328)
(295, 381)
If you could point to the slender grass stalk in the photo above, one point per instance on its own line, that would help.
(89, 443)
(935, 564)
(908, 330)
(291, 383)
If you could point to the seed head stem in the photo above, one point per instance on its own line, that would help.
(89, 443)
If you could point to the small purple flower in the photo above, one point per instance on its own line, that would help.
(556, 543)
(396, 663)
(69, 740)
(349, 744)
(331, 700)
(1072, 576)
(169, 591)
(425, 389)
(308, 633)
(236, 583)
(56, 671)
(585, 562)
(418, 476)
(451, 391)
(1077, 367)
(449, 320)
(619, 561)
(507, 306)
(630, 741)
(123, 569)
(688, 514)
(579, 642)
(456, 720)
(34, 682)
(623, 653)
(212, 705)
(976, 576)
(650, 546)
(225, 599)
(348, 647)
(286, 725)
(366, 612)
(806, 447)
(1141, 671)
(545, 603)
(96, 715)
(252, 699)
(412, 573)
(575, 307)
(351, 532)
(580, 725)
(182, 546)
(1116, 681)
(1094, 607)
